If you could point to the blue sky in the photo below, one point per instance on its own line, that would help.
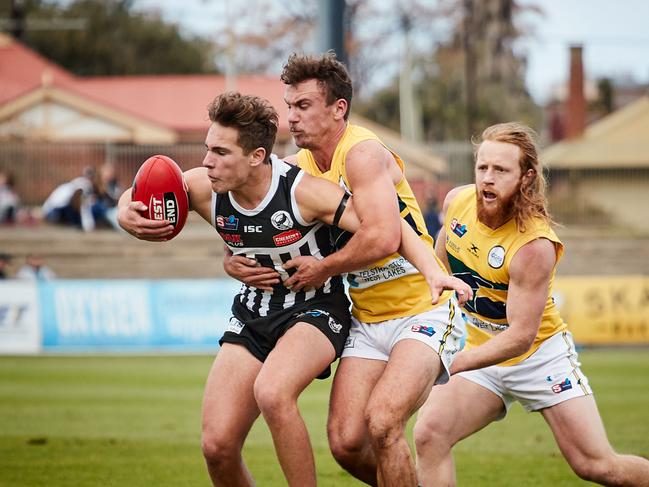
(614, 34)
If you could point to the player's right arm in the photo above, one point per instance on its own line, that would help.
(530, 272)
(131, 220)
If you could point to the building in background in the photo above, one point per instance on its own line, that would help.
(53, 123)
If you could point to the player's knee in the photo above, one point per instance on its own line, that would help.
(384, 427)
(430, 432)
(218, 450)
(599, 470)
(345, 443)
(272, 401)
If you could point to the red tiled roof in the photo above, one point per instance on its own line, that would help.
(177, 102)
(22, 70)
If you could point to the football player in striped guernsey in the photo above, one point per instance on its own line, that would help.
(278, 339)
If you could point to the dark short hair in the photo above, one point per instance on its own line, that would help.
(254, 118)
(331, 74)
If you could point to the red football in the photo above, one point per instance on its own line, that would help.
(159, 184)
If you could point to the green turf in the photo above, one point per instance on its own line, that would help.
(135, 421)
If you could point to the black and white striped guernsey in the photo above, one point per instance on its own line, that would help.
(273, 233)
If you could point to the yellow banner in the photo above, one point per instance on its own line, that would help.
(605, 309)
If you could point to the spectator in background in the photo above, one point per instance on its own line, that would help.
(4, 263)
(35, 269)
(108, 191)
(9, 200)
(432, 217)
(71, 203)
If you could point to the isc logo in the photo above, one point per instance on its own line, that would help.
(252, 228)
(164, 207)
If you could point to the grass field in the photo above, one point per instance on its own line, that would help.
(135, 421)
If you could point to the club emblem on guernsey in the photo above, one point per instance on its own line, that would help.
(496, 257)
(282, 220)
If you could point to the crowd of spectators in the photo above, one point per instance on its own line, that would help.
(87, 202)
(33, 269)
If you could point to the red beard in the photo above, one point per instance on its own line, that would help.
(498, 211)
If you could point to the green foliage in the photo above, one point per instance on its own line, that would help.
(115, 421)
(496, 84)
(116, 40)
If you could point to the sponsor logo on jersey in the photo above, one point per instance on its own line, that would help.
(452, 245)
(496, 257)
(233, 239)
(235, 326)
(282, 220)
(429, 331)
(312, 312)
(252, 228)
(458, 228)
(287, 238)
(227, 223)
(486, 325)
(349, 342)
(562, 386)
(394, 269)
(473, 249)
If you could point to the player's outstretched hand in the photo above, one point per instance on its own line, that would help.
(309, 274)
(462, 290)
(133, 222)
(250, 272)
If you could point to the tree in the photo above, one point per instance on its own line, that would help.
(115, 40)
(472, 78)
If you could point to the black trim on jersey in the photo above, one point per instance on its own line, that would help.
(408, 216)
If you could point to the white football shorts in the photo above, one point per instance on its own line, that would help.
(442, 328)
(549, 376)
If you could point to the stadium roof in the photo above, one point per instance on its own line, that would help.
(619, 140)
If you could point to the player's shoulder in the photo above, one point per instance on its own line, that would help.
(453, 194)
(539, 253)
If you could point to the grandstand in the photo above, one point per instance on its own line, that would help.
(197, 252)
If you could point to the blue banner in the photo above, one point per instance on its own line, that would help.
(126, 315)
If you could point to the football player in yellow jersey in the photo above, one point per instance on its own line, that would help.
(497, 237)
(400, 343)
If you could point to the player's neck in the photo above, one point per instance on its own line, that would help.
(250, 194)
(324, 153)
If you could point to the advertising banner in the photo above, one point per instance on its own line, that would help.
(604, 309)
(133, 315)
(19, 318)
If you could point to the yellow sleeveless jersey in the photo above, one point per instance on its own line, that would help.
(391, 288)
(480, 256)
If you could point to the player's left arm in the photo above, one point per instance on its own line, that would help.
(530, 272)
(375, 202)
